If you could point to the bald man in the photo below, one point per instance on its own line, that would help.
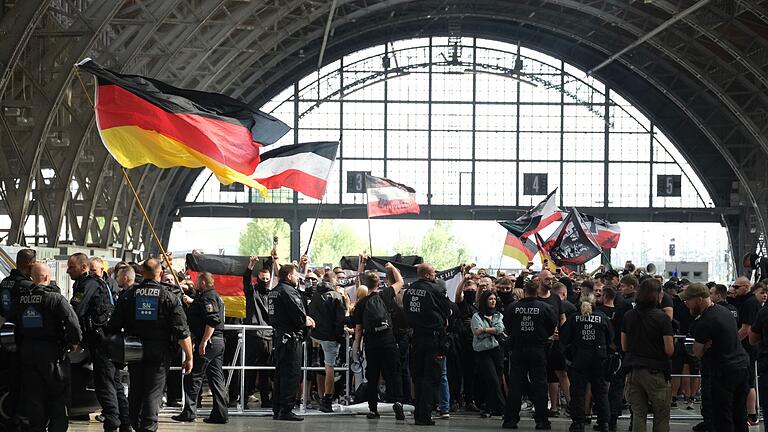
(41, 274)
(748, 305)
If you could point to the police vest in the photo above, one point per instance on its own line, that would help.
(147, 312)
(528, 321)
(35, 318)
(9, 288)
(101, 305)
(420, 308)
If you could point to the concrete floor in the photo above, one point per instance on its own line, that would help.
(348, 423)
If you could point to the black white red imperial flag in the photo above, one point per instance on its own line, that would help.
(301, 167)
(386, 197)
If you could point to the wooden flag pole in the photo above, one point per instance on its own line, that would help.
(151, 226)
(133, 189)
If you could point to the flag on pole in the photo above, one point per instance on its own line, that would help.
(386, 197)
(145, 121)
(301, 167)
(546, 260)
(520, 248)
(605, 234)
(535, 219)
(573, 244)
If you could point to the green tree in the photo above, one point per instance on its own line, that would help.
(256, 238)
(440, 248)
(332, 241)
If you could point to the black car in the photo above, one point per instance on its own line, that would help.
(83, 397)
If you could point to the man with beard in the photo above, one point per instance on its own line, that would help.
(748, 305)
(289, 320)
(258, 343)
(466, 300)
(556, 366)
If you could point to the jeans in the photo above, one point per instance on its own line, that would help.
(442, 391)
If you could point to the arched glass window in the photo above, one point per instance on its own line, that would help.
(465, 121)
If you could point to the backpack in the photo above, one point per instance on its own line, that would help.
(376, 316)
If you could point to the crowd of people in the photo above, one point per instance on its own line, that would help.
(590, 346)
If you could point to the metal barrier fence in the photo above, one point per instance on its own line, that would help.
(240, 357)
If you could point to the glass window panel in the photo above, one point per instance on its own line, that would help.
(495, 117)
(452, 117)
(408, 116)
(539, 146)
(493, 88)
(452, 87)
(584, 146)
(539, 93)
(451, 145)
(578, 89)
(363, 87)
(363, 115)
(362, 144)
(413, 86)
(540, 117)
(454, 180)
(355, 57)
(495, 183)
(407, 144)
(688, 198)
(629, 185)
(495, 145)
(411, 173)
(583, 184)
(309, 135)
(552, 169)
(409, 43)
(281, 98)
(622, 121)
(624, 146)
(582, 118)
(325, 115)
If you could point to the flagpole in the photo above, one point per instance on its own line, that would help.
(319, 206)
(589, 233)
(133, 189)
(151, 227)
(370, 238)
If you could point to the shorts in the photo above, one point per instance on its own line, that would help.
(555, 362)
(330, 351)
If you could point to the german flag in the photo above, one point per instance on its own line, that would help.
(519, 248)
(145, 121)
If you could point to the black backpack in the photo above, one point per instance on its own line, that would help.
(376, 316)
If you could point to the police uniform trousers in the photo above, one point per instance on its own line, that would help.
(287, 356)
(595, 376)
(616, 396)
(211, 367)
(527, 363)
(104, 382)
(44, 387)
(729, 389)
(426, 370)
(145, 392)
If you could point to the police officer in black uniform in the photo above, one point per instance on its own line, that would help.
(19, 278)
(152, 313)
(530, 323)
(289, 319)
(427, 309)
(588, 339)
(46, 329)
(206, 323)
(93, 302)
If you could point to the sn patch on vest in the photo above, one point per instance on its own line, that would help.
(31, 318)
(5, 300)
(146, 308)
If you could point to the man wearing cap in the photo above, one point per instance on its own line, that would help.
(722, 355)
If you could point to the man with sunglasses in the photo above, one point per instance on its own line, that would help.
(747, 306)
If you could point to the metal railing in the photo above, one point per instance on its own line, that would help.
(240, 357)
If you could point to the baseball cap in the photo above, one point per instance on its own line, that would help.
(694, 290)
(671, 285)
(611, 273)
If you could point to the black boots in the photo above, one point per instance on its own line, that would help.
(325, 404)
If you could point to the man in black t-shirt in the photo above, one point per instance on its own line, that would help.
(682, 362)
(758, 336)
(717, 344)
(719, 295)
(748, 305)
(556, 366)
(373, 325)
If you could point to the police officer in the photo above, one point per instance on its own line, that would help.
(152, 313)
(289, 319)
(427, 309)
(46, 329)
(93, 303)
(206, 324)
(19, 278)
(588, 336)
(530, 323)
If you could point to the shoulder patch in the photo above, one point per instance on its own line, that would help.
(209, 308)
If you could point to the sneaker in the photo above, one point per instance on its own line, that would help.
(484, 414)
(752, 420)
(398, 409)
(444, 415)
(689, 406)
(674, 403)
(372, 415)
(471, 407)
(553, 413)
(183, 419)
(325, 404)
(289, 416)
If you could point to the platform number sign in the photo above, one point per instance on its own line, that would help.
(356, 181)
(668, 186)
(535, 184)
